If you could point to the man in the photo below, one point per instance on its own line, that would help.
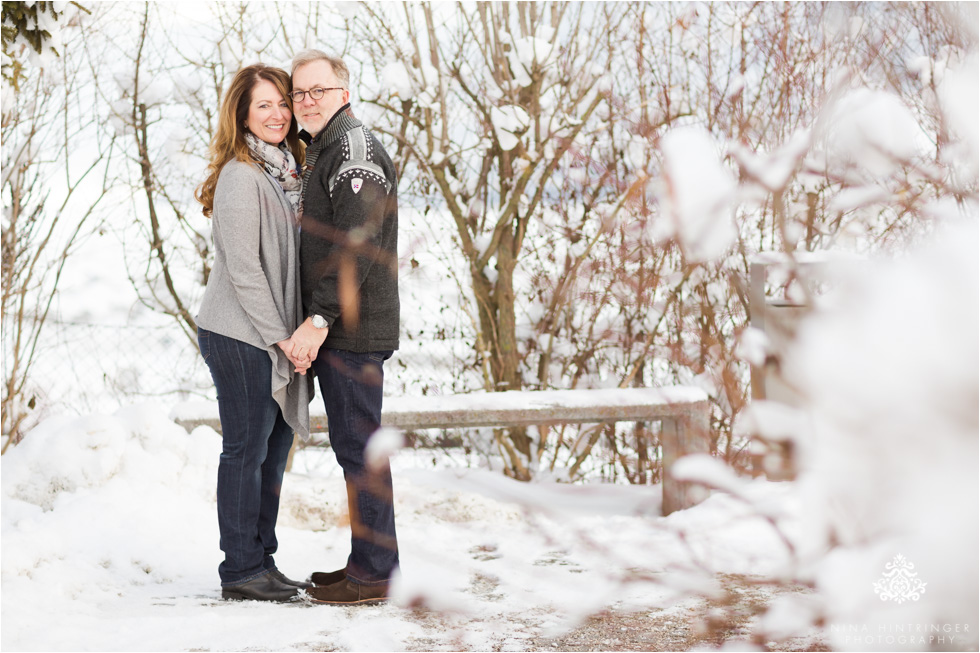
(348, 254)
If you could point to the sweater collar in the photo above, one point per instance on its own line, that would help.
(342, 122)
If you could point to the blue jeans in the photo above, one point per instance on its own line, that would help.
(255, 442)
(351, 385)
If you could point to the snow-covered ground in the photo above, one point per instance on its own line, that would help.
(110, 536)
(110, 543)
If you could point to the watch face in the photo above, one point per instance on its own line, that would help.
(319, 321)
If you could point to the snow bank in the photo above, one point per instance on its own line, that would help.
(109, 523)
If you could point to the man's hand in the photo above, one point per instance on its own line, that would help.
(288, 347)
(307, 340)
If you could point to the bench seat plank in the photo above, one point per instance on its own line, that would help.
(518, 408)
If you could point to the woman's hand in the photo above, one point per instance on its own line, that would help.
(289, 347)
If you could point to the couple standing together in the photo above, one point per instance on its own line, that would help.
(304, 276)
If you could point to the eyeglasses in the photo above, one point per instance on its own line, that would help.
(315, 93)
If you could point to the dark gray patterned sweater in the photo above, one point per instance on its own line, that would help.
(349, 237)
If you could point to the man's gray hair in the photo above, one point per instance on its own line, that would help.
(336, 63)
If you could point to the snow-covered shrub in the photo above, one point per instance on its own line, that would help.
(889, 471)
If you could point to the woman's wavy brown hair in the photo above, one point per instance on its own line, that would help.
(229, 139)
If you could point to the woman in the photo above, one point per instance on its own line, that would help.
(250, 309)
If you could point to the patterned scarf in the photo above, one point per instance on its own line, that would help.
(278, 161)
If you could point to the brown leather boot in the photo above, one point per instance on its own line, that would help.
(328, 577)
(346, 592)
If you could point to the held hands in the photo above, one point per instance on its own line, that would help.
(288, 347)
(302, 347)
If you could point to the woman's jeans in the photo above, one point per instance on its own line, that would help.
(255, 442)
(351, 385)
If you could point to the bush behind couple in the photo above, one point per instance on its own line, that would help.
(304, 278)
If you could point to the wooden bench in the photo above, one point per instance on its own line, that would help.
(683, 413)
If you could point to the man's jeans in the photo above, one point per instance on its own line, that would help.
(255, 442)
(351, 385)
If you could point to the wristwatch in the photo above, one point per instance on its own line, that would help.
(320, 322)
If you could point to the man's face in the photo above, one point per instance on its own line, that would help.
(313, 115)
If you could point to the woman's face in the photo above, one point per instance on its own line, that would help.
(268, 113)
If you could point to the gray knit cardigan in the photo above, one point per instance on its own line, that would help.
(253, 292)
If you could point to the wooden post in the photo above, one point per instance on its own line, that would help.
(757, 319)
(680, 436)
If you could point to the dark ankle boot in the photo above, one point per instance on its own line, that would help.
(302, 584)
(264, 588)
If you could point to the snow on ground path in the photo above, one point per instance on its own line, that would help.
(110, 543)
